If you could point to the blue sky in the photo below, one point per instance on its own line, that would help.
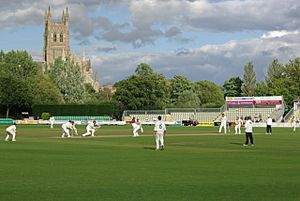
(199, 39)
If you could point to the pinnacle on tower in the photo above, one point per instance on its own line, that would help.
(48, 14)
(63, 15)
(83, 55)
(67, 12)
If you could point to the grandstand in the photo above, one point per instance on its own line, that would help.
(294, 112)
(144, 115)
(257, 107)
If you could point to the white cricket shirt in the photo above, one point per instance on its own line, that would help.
(11, 129)
(269, 121)
(248, 126)
(67, 125)
(159, 127)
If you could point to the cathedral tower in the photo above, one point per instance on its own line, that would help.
(56, 37)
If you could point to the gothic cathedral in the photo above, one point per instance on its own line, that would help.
(57, 44)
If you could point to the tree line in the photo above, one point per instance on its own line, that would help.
(24, 84)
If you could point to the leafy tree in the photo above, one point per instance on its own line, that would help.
(291, 78)
(67, 77)
(44, 91)
(232, 87)
(14, 92)
(209, 93)
(22, 82)
(89, 89)
(261, 89)
(143, 70)
(142, 91)
(275, 71)
(20, 63)
(179, 84)
(188, 99)
(275, 77)
(249, 80)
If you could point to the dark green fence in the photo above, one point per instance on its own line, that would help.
(107, 109)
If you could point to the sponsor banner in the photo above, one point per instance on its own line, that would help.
(268, 98)
(27, 122)
(251, 102)
(258, 98)
(205, 124)
(269, 102)
(239, 98)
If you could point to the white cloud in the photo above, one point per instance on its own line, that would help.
(152, 19)
(274, 34)
(212, 62)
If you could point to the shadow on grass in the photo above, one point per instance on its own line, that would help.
(236, 143)
(150, 148)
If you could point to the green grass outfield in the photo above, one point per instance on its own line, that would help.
(198, 164)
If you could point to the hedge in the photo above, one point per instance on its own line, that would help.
(107, 109)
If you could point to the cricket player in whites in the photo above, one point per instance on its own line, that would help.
(238, 124)
(51, 120)
(67, 127)
(11, 131)
(269, 125)
(223, 120)
(159, 131)
(294, 123)
(90, 129)
(137, 126)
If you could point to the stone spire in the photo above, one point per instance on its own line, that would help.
(83, 55)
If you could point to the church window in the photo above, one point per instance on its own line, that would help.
(54, 37)
(61, 38)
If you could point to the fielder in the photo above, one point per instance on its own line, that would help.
(248, 131)
(11, 131)
(294, 123)
(137, 126)
(67, 127)
(238, 124)
(159, 131)
(269, 125)
(51, 120)
(90, 129)
(223, 120)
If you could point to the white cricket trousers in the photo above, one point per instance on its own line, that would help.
(223, 124)
(66, 132)
(159, 138)
(294, 126)
(237, 129)
(13, 134)
(136, 129)
(89, 132)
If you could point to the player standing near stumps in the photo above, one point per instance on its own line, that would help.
(269, 125)
(159, 132)
(223, 120)
(294, 123)
(137, 126)
(238, 124)
(11, 131)
(248, 131)
(51, 120)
